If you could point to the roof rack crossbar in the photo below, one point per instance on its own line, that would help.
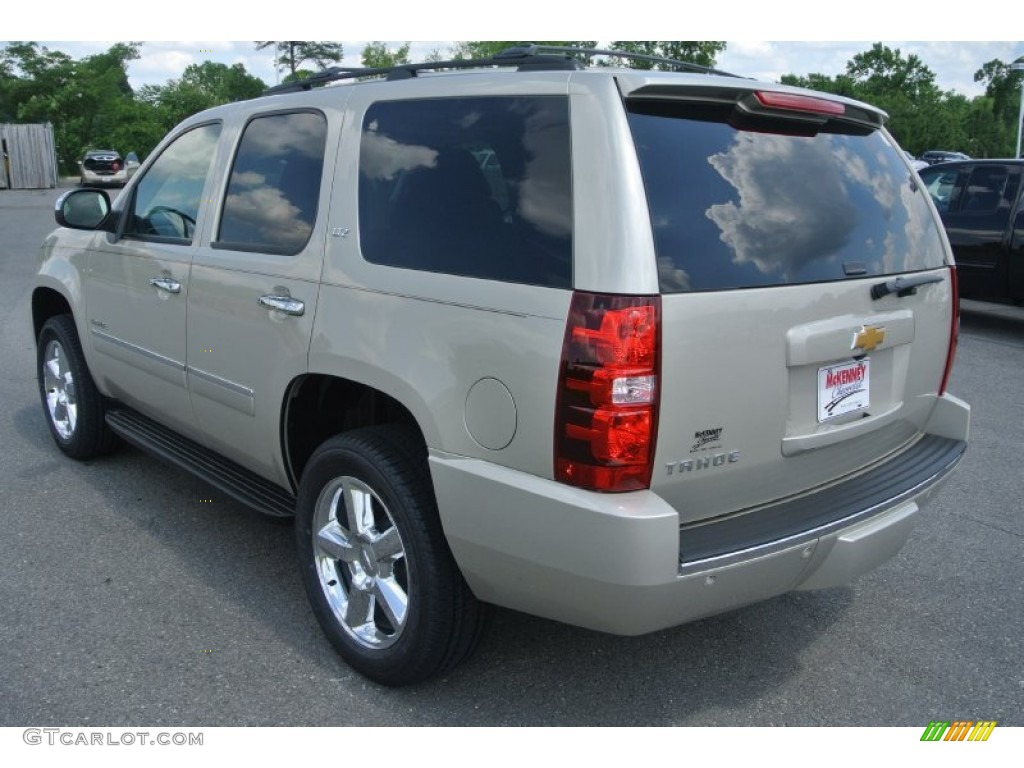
(528, 57)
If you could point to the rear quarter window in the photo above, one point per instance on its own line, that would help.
(735, 208)
(479, 187)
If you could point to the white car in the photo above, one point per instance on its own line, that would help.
(102, 167)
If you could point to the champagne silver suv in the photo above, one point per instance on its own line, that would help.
(619, 348)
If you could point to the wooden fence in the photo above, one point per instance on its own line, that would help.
(29, 159)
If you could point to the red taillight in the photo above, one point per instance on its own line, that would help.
(797, 103)
(954, 330)
(606, 419)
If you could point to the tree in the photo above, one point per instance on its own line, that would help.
(841, 85)
(699, 52)
(885, 71)
(376, 55)
(485, 49)
(80, 98)
(1003, 91)
(290, 54)
(200, 87)
(921, 116)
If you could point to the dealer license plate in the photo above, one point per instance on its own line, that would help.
(843, 389)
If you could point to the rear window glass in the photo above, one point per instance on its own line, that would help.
(737, 208)
(479, 187)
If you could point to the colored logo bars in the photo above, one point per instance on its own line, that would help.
(959, 730)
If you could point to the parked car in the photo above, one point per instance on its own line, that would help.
(619, 348)
(102, 167)
(981, 203)
(934, 156)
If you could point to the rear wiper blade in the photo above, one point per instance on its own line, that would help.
(903, 286)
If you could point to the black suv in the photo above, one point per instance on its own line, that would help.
(981, 203)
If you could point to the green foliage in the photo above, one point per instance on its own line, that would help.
(1003, 92)
(90, 103)
(485, 49)
(291, 54)
(200, 87)
(92, 106)
(376, 54)
(921, 116)
(80, 98)
(703, 52)
(841, 85)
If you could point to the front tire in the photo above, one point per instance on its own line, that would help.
(376, 566)
(73, 407)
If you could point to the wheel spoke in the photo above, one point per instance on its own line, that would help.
(334, 541)
(359, 609)
(387, 546)
(392, 600)
(358, 507)
(52, 373)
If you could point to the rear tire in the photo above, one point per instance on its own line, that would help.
(73, 407)
(375, 563)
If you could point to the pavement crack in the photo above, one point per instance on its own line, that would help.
(987, 524)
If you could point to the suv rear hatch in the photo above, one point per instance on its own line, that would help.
(774, 216)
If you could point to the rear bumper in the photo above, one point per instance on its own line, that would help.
(620, 563)
(93, 179)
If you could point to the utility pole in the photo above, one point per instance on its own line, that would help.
(1018, 66)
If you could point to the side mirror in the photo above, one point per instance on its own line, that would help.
(82, 208)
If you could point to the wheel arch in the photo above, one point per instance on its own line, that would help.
(48, 302)
(318, 406)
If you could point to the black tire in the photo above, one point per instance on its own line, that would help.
(73, 407)
(365, 566)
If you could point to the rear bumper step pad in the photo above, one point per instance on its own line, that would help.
(816, 514)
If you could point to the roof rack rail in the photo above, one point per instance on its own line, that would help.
(527, 57)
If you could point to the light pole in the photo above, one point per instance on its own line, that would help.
(1018, 66)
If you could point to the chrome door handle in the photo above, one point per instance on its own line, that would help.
(285, 304)
(166, 283)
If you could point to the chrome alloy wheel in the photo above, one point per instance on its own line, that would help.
(60, 390)
(360, 560)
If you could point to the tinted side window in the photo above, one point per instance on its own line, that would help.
(480, 187)
(984, 189)
(735, 208)
(941, 186)
(274, 188)
(165, 203)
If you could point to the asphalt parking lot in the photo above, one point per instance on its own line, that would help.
(132, 594)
